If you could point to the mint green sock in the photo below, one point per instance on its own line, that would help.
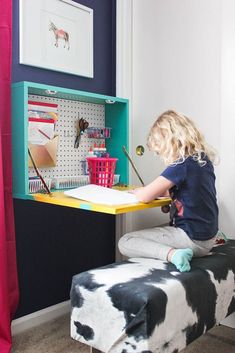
(181, 259)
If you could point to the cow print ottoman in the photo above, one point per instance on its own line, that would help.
(146, 306)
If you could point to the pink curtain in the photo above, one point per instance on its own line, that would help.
(8, 270)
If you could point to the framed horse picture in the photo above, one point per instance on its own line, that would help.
(57, 35)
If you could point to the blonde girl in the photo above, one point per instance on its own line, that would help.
(190, 181)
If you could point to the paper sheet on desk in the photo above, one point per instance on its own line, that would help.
(101, 195)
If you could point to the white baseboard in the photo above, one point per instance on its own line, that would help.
(39, 317)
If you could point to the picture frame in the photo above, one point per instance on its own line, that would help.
(57, 35)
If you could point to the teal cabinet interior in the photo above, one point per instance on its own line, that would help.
(115, 116)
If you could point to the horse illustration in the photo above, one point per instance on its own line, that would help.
(59, 34)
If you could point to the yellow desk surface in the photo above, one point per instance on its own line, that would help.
(60, 199)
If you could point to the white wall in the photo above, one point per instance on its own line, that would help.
(227, 120)
(176, 64)
(176, 60)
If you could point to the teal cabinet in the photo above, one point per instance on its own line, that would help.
(115, 111)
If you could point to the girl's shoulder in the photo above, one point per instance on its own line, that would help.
(199, 165)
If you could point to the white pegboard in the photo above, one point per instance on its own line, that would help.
(69, 158)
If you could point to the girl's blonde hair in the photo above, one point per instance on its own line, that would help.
(175, 137)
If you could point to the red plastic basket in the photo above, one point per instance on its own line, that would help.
(101, 171)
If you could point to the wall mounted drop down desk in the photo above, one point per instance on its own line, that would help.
(59, 198)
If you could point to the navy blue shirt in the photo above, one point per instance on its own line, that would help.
(194, 207)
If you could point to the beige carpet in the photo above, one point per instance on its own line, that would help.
(53, 337)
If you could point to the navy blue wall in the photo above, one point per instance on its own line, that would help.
(104, 54)
(64, 241)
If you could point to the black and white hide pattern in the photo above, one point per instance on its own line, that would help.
(146, 306)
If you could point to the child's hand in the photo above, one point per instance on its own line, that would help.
(149, 192)
(134, 191)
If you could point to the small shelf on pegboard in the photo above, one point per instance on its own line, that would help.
(36, 185)
(98, 132)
